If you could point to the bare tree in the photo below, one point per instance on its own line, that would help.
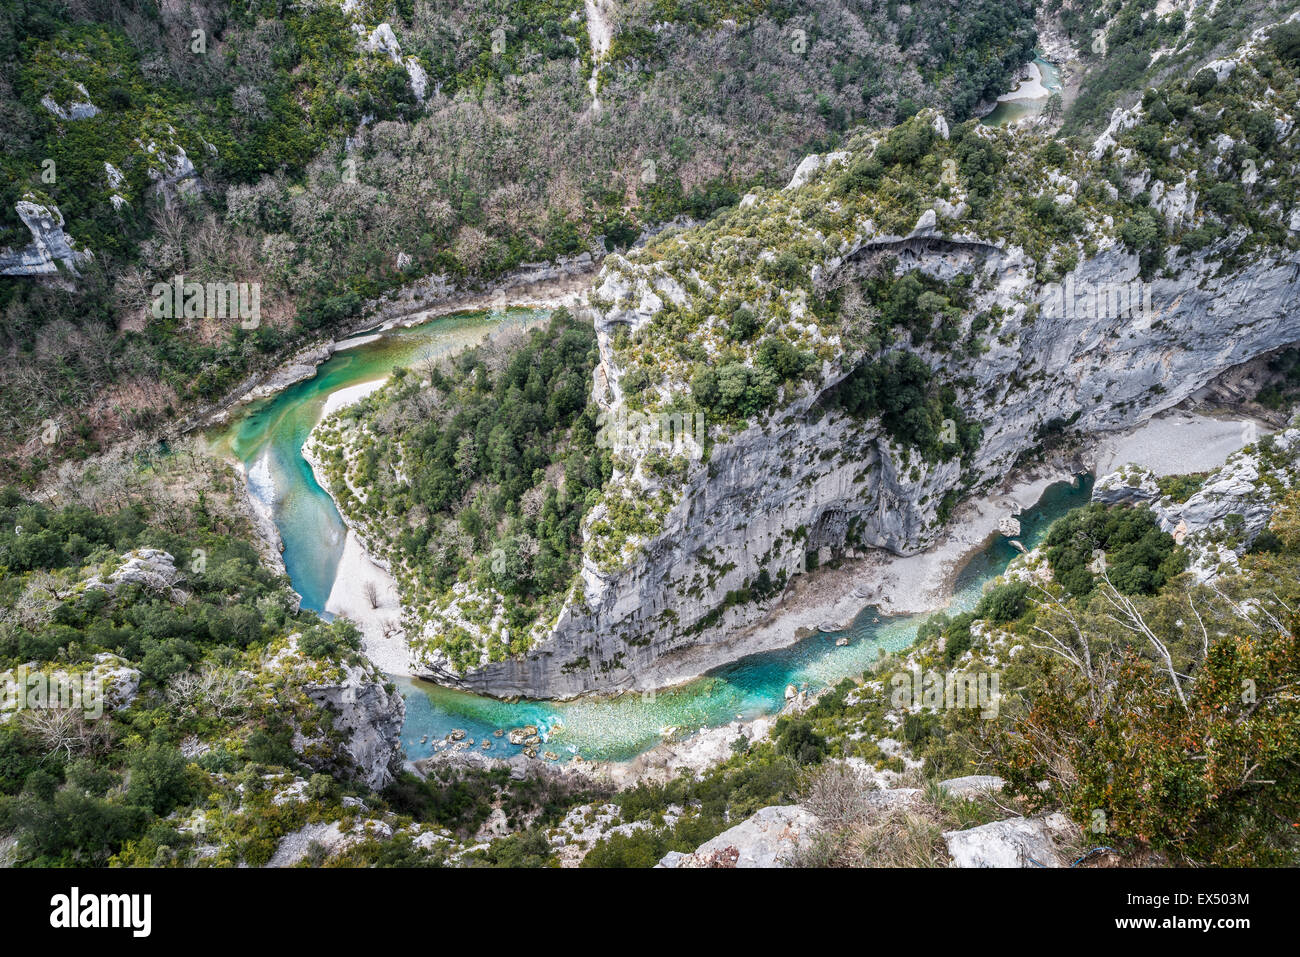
(1130, 619)
(1074, 647)
(66, 729)
(221, 691)
(371, 591)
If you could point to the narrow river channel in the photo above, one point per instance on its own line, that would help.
(267, 437)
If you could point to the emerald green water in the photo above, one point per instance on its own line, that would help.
(1013, 111)
(268, 437)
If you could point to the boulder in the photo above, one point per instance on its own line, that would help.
(927, 222)
(1015, 842)
(767, 839)
(973, 784)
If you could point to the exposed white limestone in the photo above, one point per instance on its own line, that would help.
(50, 248)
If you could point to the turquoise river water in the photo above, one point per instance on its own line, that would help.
(267, 437)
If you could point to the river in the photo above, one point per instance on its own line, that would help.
(267, 437)
(1029, 96)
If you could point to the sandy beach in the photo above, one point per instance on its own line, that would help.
(380, 621)
(345, 397)
(353, 343)
(348, 599)
(1176, 443)
(1029, 88)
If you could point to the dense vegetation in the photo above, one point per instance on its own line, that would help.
(1156, 712)
(1127, 46)
(1123, 543)
(913, 408)
(506, 160)
(210, 719)
(1284, 389)
(483, 471)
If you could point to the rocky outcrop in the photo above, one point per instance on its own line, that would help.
(151, 568)
(369, 715)
(171, 171)
(330, 838)
(813, 164)
(50, 247)
(77, 109)
(360, 736)
(109, 684)
(768, 839)
(780, 491)
(1015, 842)
(1241, 493)
(383, 41)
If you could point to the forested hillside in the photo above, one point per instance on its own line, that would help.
(803, 239)
(326, 156)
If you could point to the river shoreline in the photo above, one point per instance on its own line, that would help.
(548, 285)
(379, 618)
(830, 598)
(924, 583)
(382, 640)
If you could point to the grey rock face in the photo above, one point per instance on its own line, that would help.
(171, 172)
(119, 681)
(294, 846)
(798, 481)
(370, 717)
(812, 164)
(81, 109)
(152, 568)
(1126, 487)
(767, 839)
(50, 245)
(973, 784)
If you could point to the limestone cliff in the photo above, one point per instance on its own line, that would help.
(50, 246)
(1084, 330)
